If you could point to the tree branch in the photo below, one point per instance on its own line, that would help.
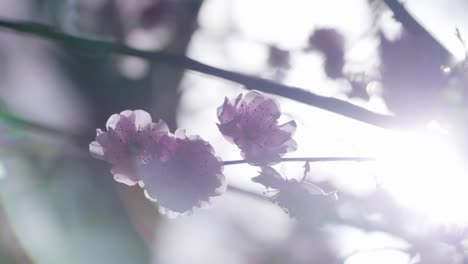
(105, 47)
(409, 22)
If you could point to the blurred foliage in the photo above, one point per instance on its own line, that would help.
(60, 206)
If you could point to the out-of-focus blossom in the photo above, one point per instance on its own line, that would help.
(299, 199)
(279, 58)
(129, 141)
(251, 122)
(331, 44)
(184, 175)
(279, 61)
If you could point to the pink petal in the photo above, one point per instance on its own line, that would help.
(289, 127)
(102, 138)
(280, 135)
(252, 99)
(158, 128)
(186, 178)
(226, 112)
(267, 109)
(260, 156)
(230, 130)
(126, 126)
(290, 145)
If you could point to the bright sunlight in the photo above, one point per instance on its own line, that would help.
(423, 171)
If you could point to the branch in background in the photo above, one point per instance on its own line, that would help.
(94, 46)
(409, 22)
(37, 127)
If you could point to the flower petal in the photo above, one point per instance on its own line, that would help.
(226, 112)
(125, 174)
(131, 139)
(186, 177)
(123, 178)
(112, 121)
(252, 124)
(289, 127)
(142, 118)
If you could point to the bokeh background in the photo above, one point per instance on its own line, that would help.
(58, 205)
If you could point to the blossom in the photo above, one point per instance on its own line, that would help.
(251, 122)
(184, 174)
(129, 141)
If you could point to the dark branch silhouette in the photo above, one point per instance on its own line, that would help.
(409, 22)
(100, 47)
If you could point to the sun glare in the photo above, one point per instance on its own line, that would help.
(423, 171)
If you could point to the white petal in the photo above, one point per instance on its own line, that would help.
(180, 133)
(112, 121)
(159, 127)
(126, 113)
(96, 150)
(148, 196)
(124, 179)
(142, 118)
(223, 186)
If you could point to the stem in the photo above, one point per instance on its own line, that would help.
(307, 159)
(100, 47)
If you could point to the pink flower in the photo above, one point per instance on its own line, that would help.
(129, 141)
(184, 174)
(251, 122)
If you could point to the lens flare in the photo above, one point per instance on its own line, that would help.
(424, 172)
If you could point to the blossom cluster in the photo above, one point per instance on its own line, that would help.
(182, 172)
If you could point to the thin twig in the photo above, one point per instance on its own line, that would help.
(246, 193)
(308, 159)
(300, 95)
